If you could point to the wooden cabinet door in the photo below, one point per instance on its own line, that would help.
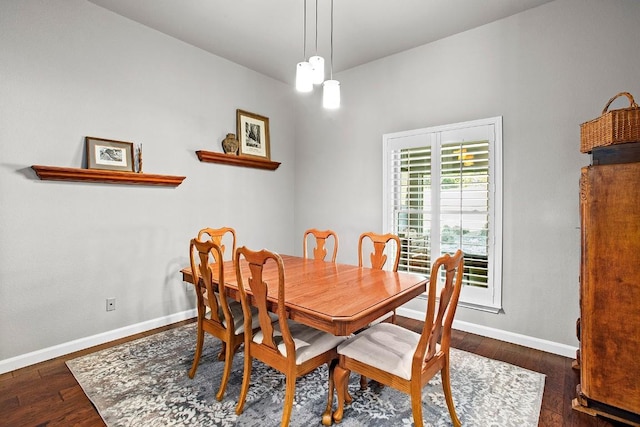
(610, 285)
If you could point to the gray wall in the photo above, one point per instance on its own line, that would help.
(69, 69)
(545, 71)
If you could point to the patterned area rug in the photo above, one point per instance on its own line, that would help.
(145, 383)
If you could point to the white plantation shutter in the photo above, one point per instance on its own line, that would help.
(464, 206)
(412, 208)
(442, 192)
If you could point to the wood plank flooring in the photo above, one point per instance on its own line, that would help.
(47, 394)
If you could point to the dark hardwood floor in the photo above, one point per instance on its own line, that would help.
(47, 394)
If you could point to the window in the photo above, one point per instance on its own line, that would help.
(443, 191)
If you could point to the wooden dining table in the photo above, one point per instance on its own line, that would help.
(337, 298)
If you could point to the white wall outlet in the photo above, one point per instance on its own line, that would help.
(111, 304)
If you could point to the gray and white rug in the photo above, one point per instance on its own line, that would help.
(145, 383)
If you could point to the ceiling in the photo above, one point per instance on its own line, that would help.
(267, 36)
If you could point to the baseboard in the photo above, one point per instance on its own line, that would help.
(499, 334)
(38, 356)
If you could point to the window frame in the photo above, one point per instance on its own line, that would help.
(489, 298)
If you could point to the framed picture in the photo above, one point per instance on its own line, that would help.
(253, 134)
(108, 154)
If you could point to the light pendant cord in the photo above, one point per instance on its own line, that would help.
(316, 27)
(304, 29)
(331, 39)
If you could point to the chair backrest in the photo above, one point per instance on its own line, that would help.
(379, 242)
(259, 288)
(205, 257)
(222, 237)
(321, 236)
(437, 325)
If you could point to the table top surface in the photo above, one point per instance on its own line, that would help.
(337, 298)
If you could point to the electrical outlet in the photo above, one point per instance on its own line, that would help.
(111, 304)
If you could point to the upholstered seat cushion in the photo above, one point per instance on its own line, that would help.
(309, 341)
(384, 346)
(238, 317)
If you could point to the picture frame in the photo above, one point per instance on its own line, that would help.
(108, 154)
(253, 134)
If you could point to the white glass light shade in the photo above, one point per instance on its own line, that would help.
(331, 94)
(317, 64)
(304, 78)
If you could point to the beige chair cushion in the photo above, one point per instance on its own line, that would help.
(238, 318)
(309, 341)
(384, 346)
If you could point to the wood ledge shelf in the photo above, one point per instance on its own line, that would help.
(54, 173)
(231, 159)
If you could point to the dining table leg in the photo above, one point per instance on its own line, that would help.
(341, 378)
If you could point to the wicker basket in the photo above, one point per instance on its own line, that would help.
(612, 127)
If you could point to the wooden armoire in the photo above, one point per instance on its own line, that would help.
(609, 324)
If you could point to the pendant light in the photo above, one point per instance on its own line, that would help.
(303, 77)
(304, 70)
(331, 88)
(316, 61)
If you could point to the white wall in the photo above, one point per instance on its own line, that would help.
(545, 71)
(69, 69)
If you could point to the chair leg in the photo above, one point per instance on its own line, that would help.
(199, 345)
(228, 361)
(288, 400)
(327, 419)
(363, 382)
(246, 378)
(416, 406)
(341, 378)
(446, 386)
(223, 351)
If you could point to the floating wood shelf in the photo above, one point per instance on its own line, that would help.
(53, 173)
(230, 159)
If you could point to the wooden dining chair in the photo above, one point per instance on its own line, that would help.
(320, 251)
(222, 237)
(378, 259)
(217, 316)
(287, 346)
(403, 359)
